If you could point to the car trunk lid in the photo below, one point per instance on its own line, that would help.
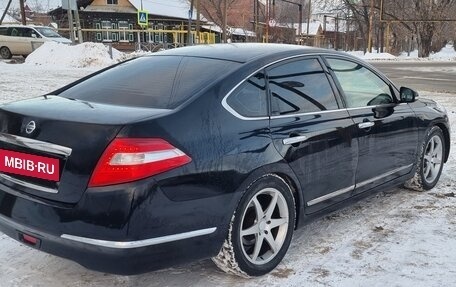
(62, 136)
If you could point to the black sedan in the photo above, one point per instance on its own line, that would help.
(212, 151)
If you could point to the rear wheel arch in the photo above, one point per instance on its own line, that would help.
(446, 135)
(4, 55)
(284, 172)
(295, 189)
(232, 257)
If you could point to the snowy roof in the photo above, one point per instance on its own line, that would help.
(212, 27)
(331, 26)
(313, 27)
(242, 32)
(110, 9)
(166, 8)
(8, 19)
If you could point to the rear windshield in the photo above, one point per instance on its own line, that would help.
(162, 82)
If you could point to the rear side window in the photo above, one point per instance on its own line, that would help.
(3, 31)
(300, 86)
(162, 82)
(249, 99)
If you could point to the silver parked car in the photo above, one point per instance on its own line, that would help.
(23, 40)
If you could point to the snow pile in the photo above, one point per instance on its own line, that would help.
(372, 56)
(79, 56)
(136, 54)
(404, 55)
(379, 56)
(446, 54)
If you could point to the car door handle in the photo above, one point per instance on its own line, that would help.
(294, 140)
(366, 125)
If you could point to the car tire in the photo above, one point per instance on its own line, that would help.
(259, 236)
(429, 162)
(5, 53)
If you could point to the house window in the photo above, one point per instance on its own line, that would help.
(112, 2)
(123, 25)
(131, 38)
(98, 35)
(106, 35)
(114, 35)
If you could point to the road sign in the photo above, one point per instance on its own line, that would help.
(69, 4)
(143, 17)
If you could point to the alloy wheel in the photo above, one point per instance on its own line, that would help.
(433, 157)
(264, 226)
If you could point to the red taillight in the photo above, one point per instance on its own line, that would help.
(29, 239)
(130, 159)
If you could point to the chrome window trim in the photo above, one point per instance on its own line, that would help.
(236, 114)
(140, 243)
(375, 106)
(307, 114)
(366, 182)
(239, 116)
(28, 184)
(330, 195)
(35, 144)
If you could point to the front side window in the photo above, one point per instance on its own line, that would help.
(300, 86)
(3, 31)
(249, 99)
(361, 87)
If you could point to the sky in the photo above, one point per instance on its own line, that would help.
(46, 4)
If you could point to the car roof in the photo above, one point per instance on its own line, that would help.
(244, 52)
(23, 26)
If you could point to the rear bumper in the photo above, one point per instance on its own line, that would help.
(120, 230)
(124, 258)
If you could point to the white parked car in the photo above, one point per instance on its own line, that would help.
(23, 40)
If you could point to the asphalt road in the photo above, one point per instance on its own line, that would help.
(421, 76)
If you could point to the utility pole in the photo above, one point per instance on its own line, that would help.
(189, 27)
(78, 24)
(266, 39)
(70, 21)
(6, 11)
(225, 16)
(371, 22)
(21, 5)
(300, 20)
(198, 21)
(255, 19)
(308, 19)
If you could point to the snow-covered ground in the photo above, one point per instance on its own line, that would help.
(447, 53)
(395, 238)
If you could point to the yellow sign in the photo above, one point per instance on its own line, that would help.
(143, 17)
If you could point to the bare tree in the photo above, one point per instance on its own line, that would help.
(423, 18)
(214, 9)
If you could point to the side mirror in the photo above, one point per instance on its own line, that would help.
(408, 95)
(33, 35)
